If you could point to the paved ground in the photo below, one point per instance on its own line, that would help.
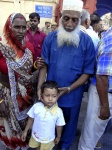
(106, 139)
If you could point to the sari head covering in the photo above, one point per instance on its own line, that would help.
(11, 40)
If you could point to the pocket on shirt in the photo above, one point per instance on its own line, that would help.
(53, 56)
(77, 62)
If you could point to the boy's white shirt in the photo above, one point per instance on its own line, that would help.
(45, 121)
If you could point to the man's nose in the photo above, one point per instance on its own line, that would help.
(70, 23)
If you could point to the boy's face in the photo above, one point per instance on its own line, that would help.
(49, 97)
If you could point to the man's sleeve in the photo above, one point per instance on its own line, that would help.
(89, 58)
(46, 49)
(104, 61)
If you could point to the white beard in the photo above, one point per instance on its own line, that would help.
(68, 38)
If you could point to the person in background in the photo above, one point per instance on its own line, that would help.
(94, 28)
(36, 38)
(96, 23)
(46, 29)
(28, 25)
(99, 110)
(44, 117)
(92, 81)
(53, 26)
(85, 21)
(62, 50)
(34, 35)
(16, 91)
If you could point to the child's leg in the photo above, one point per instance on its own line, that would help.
(34, 144)
(47, 146)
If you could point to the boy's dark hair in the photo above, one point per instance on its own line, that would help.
(33, 15)
(95, 19)
(49, 84)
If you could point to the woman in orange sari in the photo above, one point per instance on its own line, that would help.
(16, 62)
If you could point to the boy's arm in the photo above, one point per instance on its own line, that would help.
(59, 132)
(28, 126)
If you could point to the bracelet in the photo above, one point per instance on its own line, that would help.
(68, 88)
(1, 101)
(35, 66)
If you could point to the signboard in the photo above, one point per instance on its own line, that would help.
(44, 11)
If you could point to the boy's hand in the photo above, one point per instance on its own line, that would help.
(57, 139)
(23, 137)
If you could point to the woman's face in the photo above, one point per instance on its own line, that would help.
(19, 28)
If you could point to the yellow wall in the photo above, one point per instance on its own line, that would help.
(25, 7)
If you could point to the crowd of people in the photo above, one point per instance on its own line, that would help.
(43, 75)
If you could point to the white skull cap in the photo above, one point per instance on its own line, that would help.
(75, 5)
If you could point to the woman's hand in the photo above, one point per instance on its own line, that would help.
(40, 63)
(3, 109)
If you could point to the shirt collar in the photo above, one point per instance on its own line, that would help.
(52, 109)
(36, 30)
(82, 28)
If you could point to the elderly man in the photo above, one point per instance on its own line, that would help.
(85, 21)
(99, 109)
(69, 55)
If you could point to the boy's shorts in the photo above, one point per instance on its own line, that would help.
(43, 146)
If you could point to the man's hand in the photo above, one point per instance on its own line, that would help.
(104, 113)
(62, 91)
(57, 139)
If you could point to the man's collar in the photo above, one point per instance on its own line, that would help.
(35, 31)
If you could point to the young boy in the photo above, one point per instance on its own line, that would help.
(45, 116)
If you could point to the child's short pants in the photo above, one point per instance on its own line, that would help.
(43, 146)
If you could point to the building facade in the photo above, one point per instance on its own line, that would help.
(26, 7)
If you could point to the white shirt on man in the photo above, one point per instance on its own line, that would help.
(93, 35)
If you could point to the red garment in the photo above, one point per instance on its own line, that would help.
(17, 105)
(37, 41)
(11, 39)
(3, 66)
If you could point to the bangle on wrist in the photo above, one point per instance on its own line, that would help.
(69, 89)
(1, 101)
(35, 66)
